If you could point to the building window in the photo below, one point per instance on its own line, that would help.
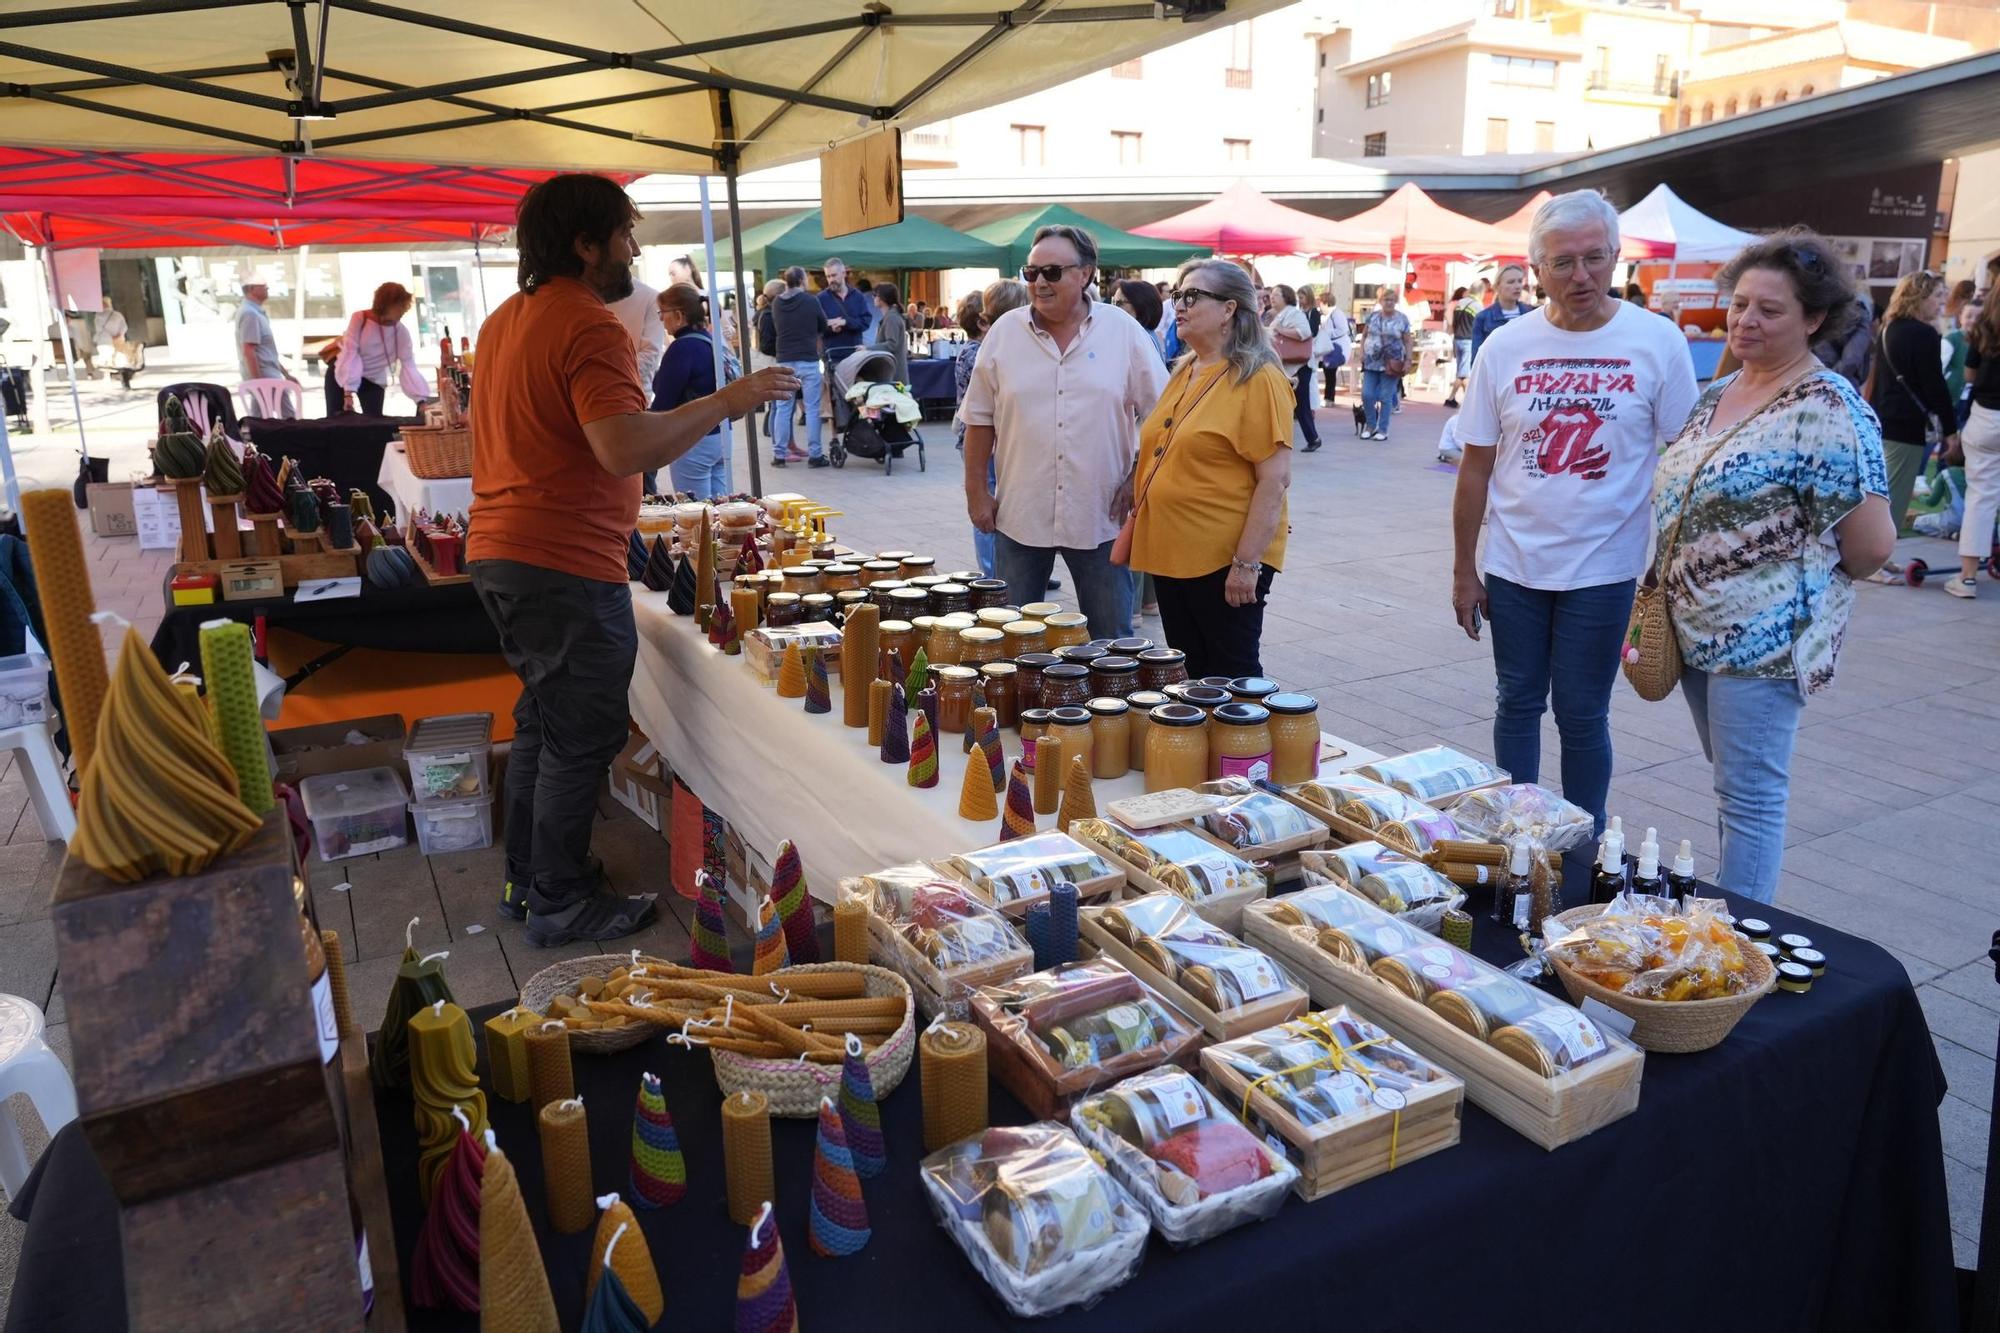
(1320, 115)
(1780, 96)
(1127, 142)
(1375, 145)
(1496, 136)
(1806, 91)
(1322, 60)
(1523, 71)
(1545, 136)
(1729, 108)
(1029, 146)
(1236, 150)
(1687, 115)
(1129, 69)
(1379, 87)
(1707, 112)
(1756, 101)
(1506, 9)
(1237, 75)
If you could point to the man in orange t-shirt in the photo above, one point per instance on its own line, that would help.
(561, 435)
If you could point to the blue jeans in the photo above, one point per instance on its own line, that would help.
(703, 471)
(781, 419)
(982, 542)
(1747, 726)
(1560, 648)
(1103, 590)
(1378, 398)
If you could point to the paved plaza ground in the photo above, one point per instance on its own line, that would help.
(1894, 785)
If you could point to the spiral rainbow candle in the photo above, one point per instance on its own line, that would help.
(1018, 819)
(996, 757)
(746, 1153)
(923, 753)
(507, 1052)
(794, 903)
(839, 1217)
(659, 1172)
(819, 694)
(443, 1078)
(896, 728)
(62, 577)
(229, 672)
(860, 1117)
(764, 1300)
(710, 936)
(769, 953)
(514, 1292)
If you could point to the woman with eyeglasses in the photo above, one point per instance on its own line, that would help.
(1768, 504)
(1907, 390)
(1214, 463)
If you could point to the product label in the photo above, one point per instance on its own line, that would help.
(1522, 903)
(1580, 1039)
(367, 1268)
(1389, 1099)
(1256, 768)
(329, 1026)
(1255, 977)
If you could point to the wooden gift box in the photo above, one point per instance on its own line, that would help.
(1550, 1111)
(946, 990)
(1222, 910)
(1100, 886)
(1220, 1025)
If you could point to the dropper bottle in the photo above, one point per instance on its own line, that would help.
(1609, 881)
(1681, 883)
(1647, 879)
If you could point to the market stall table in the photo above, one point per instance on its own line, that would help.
(346, 449)
(412, 620)
(931, 383)
(1792, 1178)
(447, 495)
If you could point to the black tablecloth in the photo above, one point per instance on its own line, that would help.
(447, 619)
(1792, 1178)
(345, 449)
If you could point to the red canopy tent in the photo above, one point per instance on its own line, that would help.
(1242, 220)
(71, 230)
(1517, 222)
(1408, 225)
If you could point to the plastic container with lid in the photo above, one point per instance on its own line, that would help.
(1294, 738)
(1239, 742)
(1176, 747)
(453, 826)
(1142, 702)
(448, 756)
(356, 814)
(1110, 737)
(24, 690)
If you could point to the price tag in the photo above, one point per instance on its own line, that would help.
(1607, 1018)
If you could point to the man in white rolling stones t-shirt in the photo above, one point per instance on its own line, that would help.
(1562, 426)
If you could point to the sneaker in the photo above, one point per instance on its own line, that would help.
(1150, 609)
(1055, 585)
(821, 461)
(1958, 586)
(1451, 402)
(595, 919)
(1312, 448)
(777, 462)
(513, 902)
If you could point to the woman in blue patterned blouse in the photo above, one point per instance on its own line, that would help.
(1779, 491)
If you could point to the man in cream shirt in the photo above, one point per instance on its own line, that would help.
(1055, 401)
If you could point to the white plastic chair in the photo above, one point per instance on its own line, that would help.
(46, 788)
(28, 1065)
(271, 398)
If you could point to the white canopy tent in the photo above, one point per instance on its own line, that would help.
(1665, 226)
(683, 86)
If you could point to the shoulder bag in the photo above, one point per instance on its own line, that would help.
(1121, 545)
(1293, 351)
(1395, 364)
(1933, 431)
(1651, 658)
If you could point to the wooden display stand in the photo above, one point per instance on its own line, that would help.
(202, 1092)
(302, 556)
(431, 576)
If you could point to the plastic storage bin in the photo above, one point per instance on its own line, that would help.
(24, 690)
(448, 756)
(453, 826)
(357, 814)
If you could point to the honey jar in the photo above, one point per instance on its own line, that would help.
(979, 645)
(996, 617)
(1110, 737)
(1064, 684)
(950, 598)
(1176, 747)
(838, 577)
(1028, 688)
(1114, 676)
(1294, 738)
(1000, 678)
(1251, 689)
(880, 571)
(915, 566)
(898, 637)
(1161, 667)
(1034, 722)
(1040, 610)
(1083, 654)
(817, 607)
(802, 579)
(1131, 647)
(987, 593)
(1239, 741)
(907, 603)
(954, 693)
(1142, 702)
(880, 592)
(1025, 636)
(1065, 628)
(781, 609)
(1071, 727)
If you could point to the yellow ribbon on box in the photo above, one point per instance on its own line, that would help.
(1315, 1028)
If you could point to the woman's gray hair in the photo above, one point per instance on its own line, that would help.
(1568, 212)
(1247, 347)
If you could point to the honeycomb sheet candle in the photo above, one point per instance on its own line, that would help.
(62, 576)
(565, 1138)
(514, 1292)
(550, 1077)
(443, 1078)
(507, 1052)
(952, 1074)
(229, 672)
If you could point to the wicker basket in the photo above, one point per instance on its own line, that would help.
(1650, 631)
(440, 454)
(563, 977)
(794, 1087)
(1676, 1027)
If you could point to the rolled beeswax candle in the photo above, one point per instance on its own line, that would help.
(62, 577)
(566, 1165)
(231, 678)
(952, 1072)
(746, 1153)
(850, 930)
(1048, 774)
(549, 1076)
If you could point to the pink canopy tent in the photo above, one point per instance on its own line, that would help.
(1242, 220)
(1517, 222)
(1408, 225)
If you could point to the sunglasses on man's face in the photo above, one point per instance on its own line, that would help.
(1045, 272)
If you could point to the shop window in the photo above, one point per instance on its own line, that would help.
(1030, 146)
(1128, 143)
(1375, 145)
(1496, 136)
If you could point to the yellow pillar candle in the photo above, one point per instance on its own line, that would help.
(850, 930)
(566, 1165)
(507, 1052)
(878, 710)
(550, 1078)
(62, 577)
(230, 675)
(1048, 774)
(746, 1154)
(336, 980)
(443, 1078)
(743, 605)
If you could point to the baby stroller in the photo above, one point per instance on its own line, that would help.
(862, 431)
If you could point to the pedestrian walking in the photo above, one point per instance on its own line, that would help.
(1387, 344)
(799, 326)
(1291, 337)
(1906, 388)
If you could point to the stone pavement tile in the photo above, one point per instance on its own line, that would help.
(27, 876)
(1965, 1189)
(1895, 916)
(1898, 737)
(1973, 982)
(1389, 693)
(1641, 814)
(1912, 765)
(1966, 1129)
(1970, 1025)
(477, 971)
(387, 893)
(1943, 866)
(635, 856)
(1968, 1073)
(1690, 806)
(468, 887)
(1922, 971)
(28, 960)
(333, 909)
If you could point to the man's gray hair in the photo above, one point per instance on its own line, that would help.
(1083, 241)
(795, 276)
(1569, 212)
(1247, 347)
(831, 260)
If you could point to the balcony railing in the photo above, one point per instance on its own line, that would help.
(1660, 85)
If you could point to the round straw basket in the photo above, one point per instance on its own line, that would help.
(794, 1087)
(562, 978)
(1672, 1026)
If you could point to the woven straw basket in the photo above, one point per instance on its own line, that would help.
(563, 977)
(440, 454)
(794, 1087)
(1651, 631)
(1675, 1027)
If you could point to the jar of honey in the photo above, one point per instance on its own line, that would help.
(1034, 722)
(1142, 702)
(907, 603)
(1000, 678)
(879, 592)
(1065, 685)
(979, 645)
(1176, 747)
(898, 637)
(1207, 698)
(1220, 682)
(996, 617)
(1131, 647)
(781, 609)
(1083, 654)
(1294, 738)
(1028, 688)
(879, 571)
(1161, 667)
(1110, 737)
(802, 579)
(1064, 628)
(1252, 689)
(950, 598)
(915, 566)
(954, 691)
(817, 607)
(1114, 676)
(965, 576)
(839, 577)
(988, 592)
(1239, 742)
(897, 556)
(847, 599)
(928, 582)
(1071, 727)
(1025, 636)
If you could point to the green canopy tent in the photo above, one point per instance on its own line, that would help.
(913, 243)
(1115, 248)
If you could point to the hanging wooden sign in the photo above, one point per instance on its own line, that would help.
(861, 183)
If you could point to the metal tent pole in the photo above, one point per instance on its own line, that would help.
(7, 475)
(479, 281)
(69, 355)
(715, 343)
(743, 333)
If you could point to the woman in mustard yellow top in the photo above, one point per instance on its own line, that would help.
(1214, 460)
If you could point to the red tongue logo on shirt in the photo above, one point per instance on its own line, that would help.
(1566, 443)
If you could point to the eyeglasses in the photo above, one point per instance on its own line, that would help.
(1045, 272)
(1564, 265)
(1185, 297)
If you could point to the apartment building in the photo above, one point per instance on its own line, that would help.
(1746, 76)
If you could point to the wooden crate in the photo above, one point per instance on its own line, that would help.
(1026, 1069)
(1238, 1022)
(938, 990)
(297, 568)
(1223, 911)
(1334, 1154)
(1549, 1111)
(1104, 886)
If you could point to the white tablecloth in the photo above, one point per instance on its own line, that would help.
(453, 495)
(775, 771)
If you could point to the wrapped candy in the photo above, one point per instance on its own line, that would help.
(1652, 949)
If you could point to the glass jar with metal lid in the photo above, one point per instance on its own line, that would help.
(1026, 636)
(1131, 647)
(1034, 722)
(1065, 684)
(1110, 737)
(997, 617)
(1294, 737)
(1028, 688)
(1083, 654)
(898, 556)
(802, 579)
(1176, 747)
(954, 694)
(878, 571)
(950, 598)
(782, 608)
(917, 566)
(1252, 689)
(979, 645)
(1070, 725)
(1207, 698)
(999, 679)
(1114, 676)
(907, 603)
(943, 645)
(839, 577)
(1040, 610)
(1239, 741)
(898, 637)
(848, 598)
(1065, 628)
(817, 607)
(1143, 703)
(881, 593)
(1221, 682)
(1161, 667)
(987, 592)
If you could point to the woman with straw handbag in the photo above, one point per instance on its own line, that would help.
(1768, 505)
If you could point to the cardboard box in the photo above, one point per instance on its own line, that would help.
(643, 784)
(111, 511)
(338, 747)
